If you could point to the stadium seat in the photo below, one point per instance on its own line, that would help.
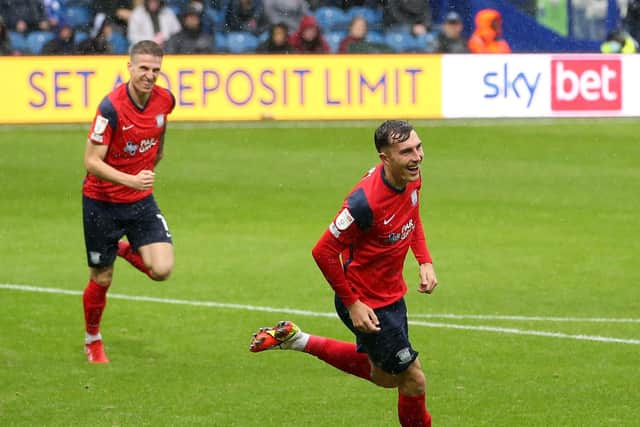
(334, 38)
(424, 42)
(79, 17)
(18, 42)
(37, 39)
(241, 42)
(119, 43)
(220, 42)
(331, 19)
(401, 41)
(375, 37)
(80, 36)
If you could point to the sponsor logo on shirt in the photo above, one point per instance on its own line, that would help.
(403, 234)
(146, 144)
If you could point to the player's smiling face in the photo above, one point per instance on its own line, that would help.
(402, 160)
(144, 70)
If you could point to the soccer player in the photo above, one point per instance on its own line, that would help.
(362, 255)
(124, 145)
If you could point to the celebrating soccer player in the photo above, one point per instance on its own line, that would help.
(125, 143)
(362, 255)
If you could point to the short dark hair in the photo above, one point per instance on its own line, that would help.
(146, 47)
(390, 132)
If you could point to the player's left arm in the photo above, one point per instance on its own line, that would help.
(160, 152)
(426, 272)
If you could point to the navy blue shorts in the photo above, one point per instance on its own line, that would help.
(389, 349)
(105, 223)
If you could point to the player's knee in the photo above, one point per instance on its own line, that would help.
(413, 381)
(161, 272)
(102, 277)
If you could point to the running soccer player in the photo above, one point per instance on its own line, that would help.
(124, 145)
(362, 255)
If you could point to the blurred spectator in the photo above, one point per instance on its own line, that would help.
(278, 41)
(207, 14)
(619, 41)
(632, 20)
(191, 39)
(117, 11)
(52, 12)
(356, 40)
(450, 38)
(98, 41)
(5, 41)
(63, 43)
(290, 12)
(487, 37)
(24, 16)
(308, 38)
(413, 16)
(589, 18)
(152, 20)
(246, 15)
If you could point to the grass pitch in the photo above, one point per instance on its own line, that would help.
(533, 220)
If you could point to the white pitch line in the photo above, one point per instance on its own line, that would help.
(528, 318)
(285, 310)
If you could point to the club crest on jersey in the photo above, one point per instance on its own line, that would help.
(414, 197)
(344, 220)
(131, 148)
(160, 120)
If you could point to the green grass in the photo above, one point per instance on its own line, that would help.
(536, 218)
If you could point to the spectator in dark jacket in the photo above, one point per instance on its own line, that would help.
(450, 38)
(632, 20)
(246, 15)
(356, 40)
(63, 43)
(413, 16)
(117, 11)
(308, 38)
(5, 41)
(24, 16)
(278, 41)
(191, 39)
(98, 41)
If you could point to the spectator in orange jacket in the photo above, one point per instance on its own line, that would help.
(487, 37)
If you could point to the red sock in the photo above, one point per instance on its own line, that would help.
(412, 411)
(94, 299)
(134, 258)
(341, 355)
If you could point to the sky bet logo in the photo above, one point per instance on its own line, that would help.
(586, 84)
(509, 82)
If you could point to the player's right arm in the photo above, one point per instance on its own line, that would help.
(94, 163)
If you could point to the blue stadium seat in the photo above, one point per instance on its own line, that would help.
(18, 42)
(79, 17)
(241, 42)
(334, 38)
(220, 42)
(80, 36)
(37, 39)
(424, 42)
(331, 19)
(401, 41)
(375, 37)
(119, 43)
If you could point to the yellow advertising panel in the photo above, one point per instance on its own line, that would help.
(227, 87)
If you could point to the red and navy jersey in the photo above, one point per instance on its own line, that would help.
(133, 136)
(372, 233)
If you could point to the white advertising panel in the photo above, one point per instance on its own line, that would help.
(495, 86)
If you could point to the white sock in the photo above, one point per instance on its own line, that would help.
(298, 342)
(89, 338)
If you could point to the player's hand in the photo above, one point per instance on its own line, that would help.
(363, 317)
(428, 279)
(143, 180)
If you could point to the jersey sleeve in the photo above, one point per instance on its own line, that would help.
(419, 243)
(104, 123)
(353, 220)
